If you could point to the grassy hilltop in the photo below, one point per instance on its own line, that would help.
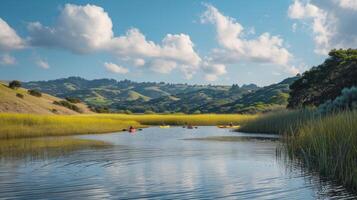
(11, 102)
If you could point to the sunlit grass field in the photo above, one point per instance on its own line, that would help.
(182, 119)
(29, 125)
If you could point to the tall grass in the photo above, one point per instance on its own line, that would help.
(280, 122)
(27, 125)
(329, 145)
(181, 119)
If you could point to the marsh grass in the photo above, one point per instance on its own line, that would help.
(27, 125)
(280, 122)
(328, 145)
(182, 119)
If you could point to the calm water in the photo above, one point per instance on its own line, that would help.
(160, 164)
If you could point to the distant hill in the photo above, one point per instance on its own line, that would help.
(11, 102)
(125, 95)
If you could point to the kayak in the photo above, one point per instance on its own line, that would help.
(165, 126)
(223, 126)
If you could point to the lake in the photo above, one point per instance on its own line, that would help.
(154, 163)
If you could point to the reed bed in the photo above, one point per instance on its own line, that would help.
(182, 119)
(29, 125)
(280, 122)
(329, 145)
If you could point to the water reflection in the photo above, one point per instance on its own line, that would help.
(158, 163)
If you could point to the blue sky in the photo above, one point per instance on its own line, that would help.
(217, 42)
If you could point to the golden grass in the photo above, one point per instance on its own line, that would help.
(27, 125)
(181, 119)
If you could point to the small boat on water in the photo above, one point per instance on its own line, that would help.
(228, 126)
(132, 129)
(165, 126)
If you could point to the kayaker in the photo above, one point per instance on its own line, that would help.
(131, 129)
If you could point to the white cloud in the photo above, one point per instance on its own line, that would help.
(321, 23)
(162, 66)
(7, 59)
(213, 71)
(43, 64)
(347, 4)
(174, 48)
(81, 29)
(111, 67)
(235, 48)
(84, 29)
(9, 40)
(332, 22)
(264, 49)
(139, 62)
(294, 27)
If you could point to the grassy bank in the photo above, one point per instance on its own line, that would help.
(26, 125)
(281, 122)
(181, 119)
(329, 145)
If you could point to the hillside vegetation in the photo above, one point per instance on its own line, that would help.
(19, 100)
(123, 96)
(326, 81)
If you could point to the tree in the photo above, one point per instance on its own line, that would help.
(14, 84)
(326, 81)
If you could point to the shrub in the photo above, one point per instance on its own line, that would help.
(100, 109)
(68, 105)
(20, 95)
(149, 112)
(346, 101)
(14, 84)
(73, 99)
(35, 93)
(54, 110)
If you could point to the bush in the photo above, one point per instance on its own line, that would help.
(35, 93)
(149, 112)
(14, 84)
(20, 95)
(346, 101)
(100, 109)
(68, 105)
(73, 99)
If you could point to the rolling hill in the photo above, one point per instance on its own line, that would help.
(126, 95)
(12, 102)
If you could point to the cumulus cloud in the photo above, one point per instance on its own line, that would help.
(84, 29)
(7, 59)
(321, 23)
(235, 48)
(111, 67)
(332, 22)
(9, 40)
(213, 71)
(347, 4)
(80, 29)
(43, 64)
(265, 48)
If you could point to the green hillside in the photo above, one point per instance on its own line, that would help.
(165, 97)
